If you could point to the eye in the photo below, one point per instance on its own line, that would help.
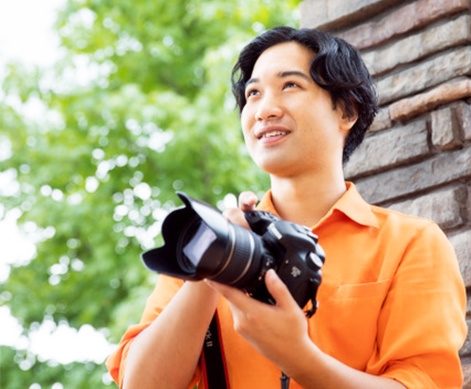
(291, 84)
(251, 92)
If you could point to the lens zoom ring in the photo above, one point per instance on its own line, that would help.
(241, 260)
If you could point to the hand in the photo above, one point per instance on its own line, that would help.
(276, 331)
(247, 201)
(279, 332)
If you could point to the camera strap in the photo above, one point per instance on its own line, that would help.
(213, 362)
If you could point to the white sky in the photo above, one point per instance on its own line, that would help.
(25, 30)
(26, 35)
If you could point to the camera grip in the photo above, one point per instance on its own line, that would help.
(260, 220)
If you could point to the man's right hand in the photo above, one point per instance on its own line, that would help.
(247, 201)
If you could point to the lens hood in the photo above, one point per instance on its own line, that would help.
(165, 259)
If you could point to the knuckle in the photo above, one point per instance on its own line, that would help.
(243, 323)
(238, 327)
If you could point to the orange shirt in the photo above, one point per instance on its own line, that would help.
(391, 302)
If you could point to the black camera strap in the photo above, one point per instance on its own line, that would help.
(213, 362)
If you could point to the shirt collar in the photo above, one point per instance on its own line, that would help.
(351, 204)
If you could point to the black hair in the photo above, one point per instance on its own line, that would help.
(337, 67)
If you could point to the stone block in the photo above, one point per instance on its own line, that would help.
(443, 207)
(425, 75)
(466, 349)
(382, 121)
(410, 107)
(438, 170)
(412, 16)
(461, 242)
(463, 112)
(387, 149)
(445, 129)
(466, 375)
(467, 205)
(412, 48)
(334, 14)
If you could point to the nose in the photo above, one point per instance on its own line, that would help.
(269, 107)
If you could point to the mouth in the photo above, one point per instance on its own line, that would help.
(272, 133)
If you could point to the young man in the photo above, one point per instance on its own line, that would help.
(391, 303)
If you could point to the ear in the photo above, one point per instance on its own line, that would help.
(347, 122)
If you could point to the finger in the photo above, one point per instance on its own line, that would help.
(235, 296)
(236, 216)
(243, 307)
(247, 201)
(278, 290)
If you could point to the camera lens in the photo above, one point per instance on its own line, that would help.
(201, 243)
(243, 261)
(232, 258)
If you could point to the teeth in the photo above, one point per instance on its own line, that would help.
(274, 133)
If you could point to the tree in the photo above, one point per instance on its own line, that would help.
(97, 174)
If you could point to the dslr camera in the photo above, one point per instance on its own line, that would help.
(199, 242)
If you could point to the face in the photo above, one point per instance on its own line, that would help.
(289, 123)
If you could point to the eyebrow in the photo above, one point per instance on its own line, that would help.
(287, 73)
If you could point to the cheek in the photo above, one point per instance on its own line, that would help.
(245, 122)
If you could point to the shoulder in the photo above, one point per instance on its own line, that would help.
(388, 218)
(412, 233)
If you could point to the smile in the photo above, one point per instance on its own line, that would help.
(272, 134)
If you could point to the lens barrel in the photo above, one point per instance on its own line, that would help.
(243, 262)
(227, 253)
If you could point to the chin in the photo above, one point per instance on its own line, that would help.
(275, 168)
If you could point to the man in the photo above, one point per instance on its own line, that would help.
(391, 303)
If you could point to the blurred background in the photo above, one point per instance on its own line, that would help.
(107, 108)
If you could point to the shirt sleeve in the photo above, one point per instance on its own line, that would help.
(166, 287)
(422, 324)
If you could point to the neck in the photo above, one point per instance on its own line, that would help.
(306, 200)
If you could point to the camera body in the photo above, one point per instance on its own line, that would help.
(200, 243)
(293, 252)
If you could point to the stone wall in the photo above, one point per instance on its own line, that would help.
(417, 155)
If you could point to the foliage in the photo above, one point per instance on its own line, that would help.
(139, 107)
(20, 370)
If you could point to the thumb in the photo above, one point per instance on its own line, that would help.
(247, 201)
(278, 290)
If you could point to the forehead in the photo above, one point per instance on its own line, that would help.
(283, 57)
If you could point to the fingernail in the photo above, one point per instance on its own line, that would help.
(248, 197)
(271, 273)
